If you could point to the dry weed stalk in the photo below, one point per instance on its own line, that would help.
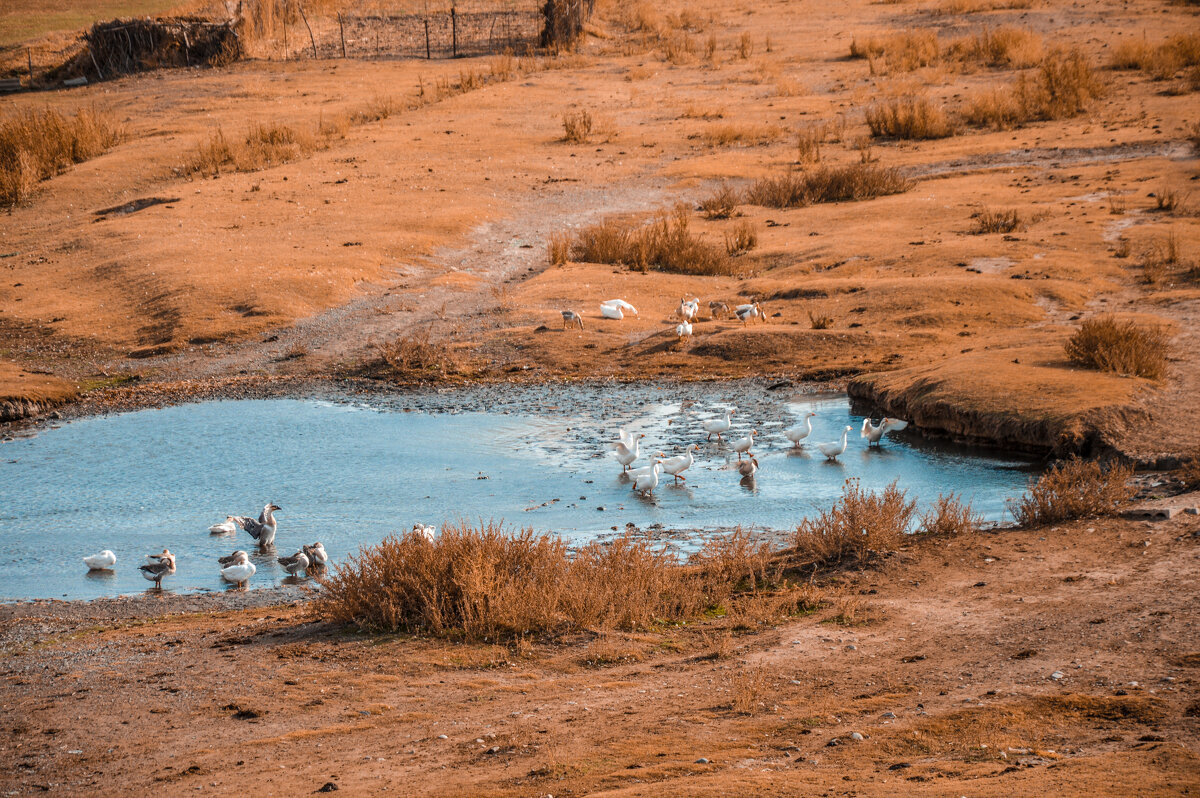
(742, 238)
(577, 127)
(949, 516)
(721, 204)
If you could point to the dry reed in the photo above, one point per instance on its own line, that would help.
(36, 145)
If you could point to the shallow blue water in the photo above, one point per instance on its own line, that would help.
(348, 472)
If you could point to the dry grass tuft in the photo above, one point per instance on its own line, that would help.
(417, 356)
(808, 143)
(949, 517)
(899, 52)
(749, 688)
(666, 244)
(1162, 61)
(722, 204)
(859, 523)
(1065, 84)
(742, 238)
(558, 248)
(860, 181)
(1123, 347)
(263, 146)
(36, 145)
(723, 135)
(577, 127)
(989, 221)
(1074, 489)
(1001, 48)
(820, 321)
(913, 118)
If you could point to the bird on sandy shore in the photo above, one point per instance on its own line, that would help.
(675, 466)
(163, 567)
(718, 425)
(295, 564)
(571, 319)
(232, 558)
(228, 526)
(747, 467)
(426, 531)
(718, 309)
(263, 530)
(832, 450)
(616, 309)
(646, 483)
(239, 571)
(627, 454)
(684, 330)
(100, 562)
(742, 445)
(751, 311)
(801, 431)
(317, 556)
(688, 308)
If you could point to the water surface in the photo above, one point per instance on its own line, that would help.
(347, 472)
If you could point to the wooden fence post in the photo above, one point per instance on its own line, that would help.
(342, 29)
(29, 57)
(427, 56)
(454, 31)
(310, 33)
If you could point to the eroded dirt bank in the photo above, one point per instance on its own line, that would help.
(1022, 662)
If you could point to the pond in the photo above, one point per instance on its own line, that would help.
(349, 470)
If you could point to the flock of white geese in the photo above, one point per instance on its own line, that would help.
(645, 479)
(237, 568)
(687, 311)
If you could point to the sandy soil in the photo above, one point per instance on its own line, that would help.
(1021, 662)
(435, 219)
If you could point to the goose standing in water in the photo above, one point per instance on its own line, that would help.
(262, 530)
(156, 571)
(627, 454)
(228, 526)
(718, 425)
(100, 562)
(239, 571)
(801, 431)
(675, 466)
(747, 467)
(425, 530)
(742, 445)
(894, 424)
(295, 564)
(232, 558)
(832, 450)
(317, 556)
(872, 432)
(646, 483)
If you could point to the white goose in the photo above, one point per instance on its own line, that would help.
(684, 330)
(742, 445)
(425, 530)
(317, 556)
(832, 450)
(688, 308)
(646, 483)
(675, 466)
(627, 454)
(616, 309)
(872, 432)
(718, 425)
(751, 311)
(747, 467)
(625, 436)
(894, 424)
(295, 564)
(800, 431)
(239, 571)
(228, 526)
(100, 562)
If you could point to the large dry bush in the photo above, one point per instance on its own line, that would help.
(36, 145)
(1063, 86)
(860, 522)
(909, 118)
(489, 582)
(665, 243)
(859, 181)
(1074, 489)
(1120, 346)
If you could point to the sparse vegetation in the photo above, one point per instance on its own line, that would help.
(949, 516)
(1162, 61)
(1001, 221)
(860, 181)
(577, 127)
(558, 248)
(722, 204)
(1002, 48)
(808, 143)
(742, 238)
(900, 52)
(36, 145)
(908, 118)
(418, 356)
(1063, 87)
(749, 686)
(263, 146)
(860, 522)
(666, 243)
(1120, 346)
(820, 321)
(1074, 489)
(723, 135)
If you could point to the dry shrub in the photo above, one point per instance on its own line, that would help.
(973, 6)
(722, 204)
(724, 135)
(819, 320)
(1010, 48)
(1169, 200)
(1189, 473)
(666, 244)
(742, 238)
(1063, 87)
(577, 127)
(1161, 61)
(745, 46)
(489, 582)
(860, 181)
(949, 517)
(702, 112)
(909, 118)
(1003, 221)
(808, 143)
(36, 145)
(417, 356)
(901, 52)
(749, 688)
(264, 146)
(860, 522)
(1122, 347)
(558, 248)
(1074, 489)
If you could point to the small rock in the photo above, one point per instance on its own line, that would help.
(701, 761)
(1056, 675)
(889, 715)
(495, 749)
(856, 736)
(328, 786)
(899, 766)
(852, 647)
(443, 737)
